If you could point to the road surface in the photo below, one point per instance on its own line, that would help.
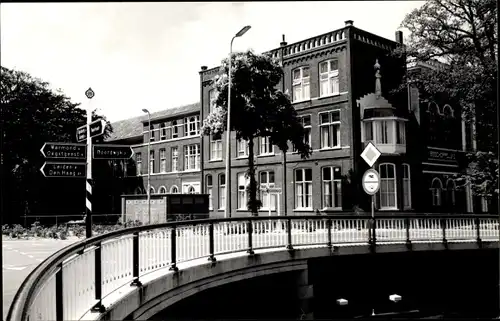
(19, 258)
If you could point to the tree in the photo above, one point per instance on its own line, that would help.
(33, 114)
(462, 34)
(258, 109)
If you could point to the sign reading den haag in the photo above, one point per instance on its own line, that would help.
(52, 169)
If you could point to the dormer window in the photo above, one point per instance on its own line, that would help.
(329, 78)
(301, 84)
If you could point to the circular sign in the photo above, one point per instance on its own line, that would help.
(371, 182)
(89, 93)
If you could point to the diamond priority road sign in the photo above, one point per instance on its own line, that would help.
(64, 150)
(56, 169)
(112, 152)
(371, 182)
(370, 154)
(96, 128)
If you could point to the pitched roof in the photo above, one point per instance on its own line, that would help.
(133, 127)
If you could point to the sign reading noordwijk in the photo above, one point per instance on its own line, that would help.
(112, 152)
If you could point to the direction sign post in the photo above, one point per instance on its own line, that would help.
(97, 128)
(112, 152)
(64, 150)
(59, 169)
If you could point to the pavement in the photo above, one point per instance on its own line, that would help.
(19, 258)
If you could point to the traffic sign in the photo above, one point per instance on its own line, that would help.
(96, 128)
(64, 150)
(89, 93)
(371, 182)
(53, 169)
(272, 190)
(112, 152)
(370, 154)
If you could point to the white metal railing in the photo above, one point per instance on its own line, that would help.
(90, 270)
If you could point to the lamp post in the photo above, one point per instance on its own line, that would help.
(228, 134)
(149, 163)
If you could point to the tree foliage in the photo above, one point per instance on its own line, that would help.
(462, 34)
(258, 109)
(33, 114)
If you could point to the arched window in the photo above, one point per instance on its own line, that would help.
(436, 189)
(388, 194)
(450, 191)
(209, 191)
(174, 190)
(433, 108)
(448, 111)
(151, 190)
(191, 190)
(162, 190)
(138, 191)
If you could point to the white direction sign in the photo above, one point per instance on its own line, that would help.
(371, 182)
(370, 154)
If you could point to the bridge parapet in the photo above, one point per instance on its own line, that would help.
(75, 280)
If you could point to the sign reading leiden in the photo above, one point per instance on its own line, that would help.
(52, 169)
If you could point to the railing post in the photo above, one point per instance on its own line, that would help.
(329, 230)
(173, 249)
(407, 226)
(59, 294)
(478, 230)
(289, 246)
(98, 281)
(211, 242)
(443, 228)
(250, 240)
(135, 260)
(373, 239)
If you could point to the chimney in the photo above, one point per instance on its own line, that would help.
(283, 42)
(399, 37)
(348, 23)
(203, 68)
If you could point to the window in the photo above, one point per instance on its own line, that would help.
(191, 126)
(151, 190)
(400, 132)
(222, 191)
(306, 123)
(192, 157)
(329, 123)
(242, 148)
(174, 190)
(152, 161)
(387, 186)
(151, 133)
(212, 99)
(303, 188)
(265, 146)
(329, 78)
(138, 163)
(450, 192)
(242, 191)
(406, 187)
(163, 131)
(163, 160)
(175, 159)
(448, 111)
(216, 149)
(175, 129)
(436, 188)
(209, 191)
(191, 190)
(138, 191)
(384, 132)
(368, 131)
(266, 180)
(332, 187)
(162, 190)
(300, 85)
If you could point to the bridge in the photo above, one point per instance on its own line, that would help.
(136, 272)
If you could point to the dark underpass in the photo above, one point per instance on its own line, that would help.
(454, 283)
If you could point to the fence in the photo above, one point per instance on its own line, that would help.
(76, 279)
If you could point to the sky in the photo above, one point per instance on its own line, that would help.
(148, 55)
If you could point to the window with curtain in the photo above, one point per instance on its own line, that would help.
(332, 186)
(266, 180)
(222, 191)
(209, 191)
(329, 124)
(387, 192)
(301, 84)
(242, 191)
(303, 188)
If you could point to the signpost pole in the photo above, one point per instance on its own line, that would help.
(88, 199)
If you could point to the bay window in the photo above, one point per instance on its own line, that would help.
(329, 78)
(385, 131)
(303, 188)
(387, 192)
(301, 84)
(332, 186)
(329, 125)
(266, 180)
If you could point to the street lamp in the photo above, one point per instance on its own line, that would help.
(228, 134)
(149, 163)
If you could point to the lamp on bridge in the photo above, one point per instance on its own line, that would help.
(395, 297)
(342, 302)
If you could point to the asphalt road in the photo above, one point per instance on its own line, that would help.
(19, 258)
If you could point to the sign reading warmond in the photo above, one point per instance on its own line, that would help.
(64, 150)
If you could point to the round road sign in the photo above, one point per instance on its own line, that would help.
(371, 182)
(89, 93)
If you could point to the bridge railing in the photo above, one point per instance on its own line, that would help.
(76, 279)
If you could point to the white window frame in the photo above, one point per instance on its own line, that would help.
(453, 190)
(331, 125)
(162, 188)
(152, 162)
(387, 181)
(304, 197)
(242, 150)
(152, 190)
(437, 191)
(215, 149)
(243, 183)
(191, 189)
(191, 126)
(138, 163)
(175, 159)
(264, 197)
(398, 125)
(192, 157)
(175, 129)
(222, 191)
(308, 129)
(211, 100)
(163, 131)
(151, 133)
(163, 160)
(265, 143)
(407, 186)
(335, 185)
(209, 191)
(330, 77)
(301, 84)
(174, 189)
